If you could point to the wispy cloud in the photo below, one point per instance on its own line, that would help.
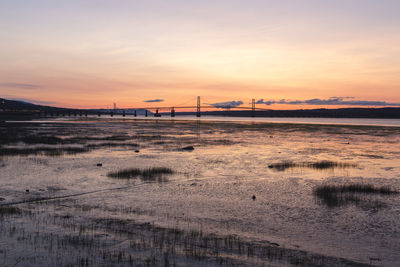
(21, 85)
(227, 105)
(154, 100)
(333, 101)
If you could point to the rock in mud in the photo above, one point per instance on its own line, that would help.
(188, 148)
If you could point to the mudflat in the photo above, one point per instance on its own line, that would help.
(95, 192)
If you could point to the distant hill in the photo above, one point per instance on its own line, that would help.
(22, 106)
(17, 105)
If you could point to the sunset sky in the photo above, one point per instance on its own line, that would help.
(285, 54)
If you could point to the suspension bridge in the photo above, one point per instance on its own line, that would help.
(197, 108)
(157, 111)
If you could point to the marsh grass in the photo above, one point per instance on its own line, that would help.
(41, 139)
(116, 137)
(319, 165)
(353, 188)
(110, 241)
(59, 150)
(329, 165)
(149, 174)
(12, 137)
(340, 195)
(125, 174)
(110, 144)
(209, 248)
(47, 151)
(9, 210)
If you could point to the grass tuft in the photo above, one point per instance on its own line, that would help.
(282, 165)
(47, 151)
(58, 151)
(149, 174)
(6, 210)
(326, 164)
(125, 174)
(340, 195)
(352, 188)
(319, 165)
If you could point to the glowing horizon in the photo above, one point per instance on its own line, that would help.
(94, 53)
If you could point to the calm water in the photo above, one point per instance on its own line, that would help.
(324, 121)
(335, 121)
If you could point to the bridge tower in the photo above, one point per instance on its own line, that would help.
(253, 107)
(198, 107)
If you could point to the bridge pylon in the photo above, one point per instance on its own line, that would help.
(198, 114)
(253, 107)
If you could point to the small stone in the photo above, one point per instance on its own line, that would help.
(253, 197)
(99, 164)
(188, 148)
(27, 190)
(137, 151)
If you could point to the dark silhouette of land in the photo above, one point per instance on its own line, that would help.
(384, 113)
(14, 107)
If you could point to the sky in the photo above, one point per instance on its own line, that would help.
(284, 54)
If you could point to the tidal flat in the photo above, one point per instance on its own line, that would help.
(110, 192)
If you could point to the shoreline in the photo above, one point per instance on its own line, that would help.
(348, 122)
